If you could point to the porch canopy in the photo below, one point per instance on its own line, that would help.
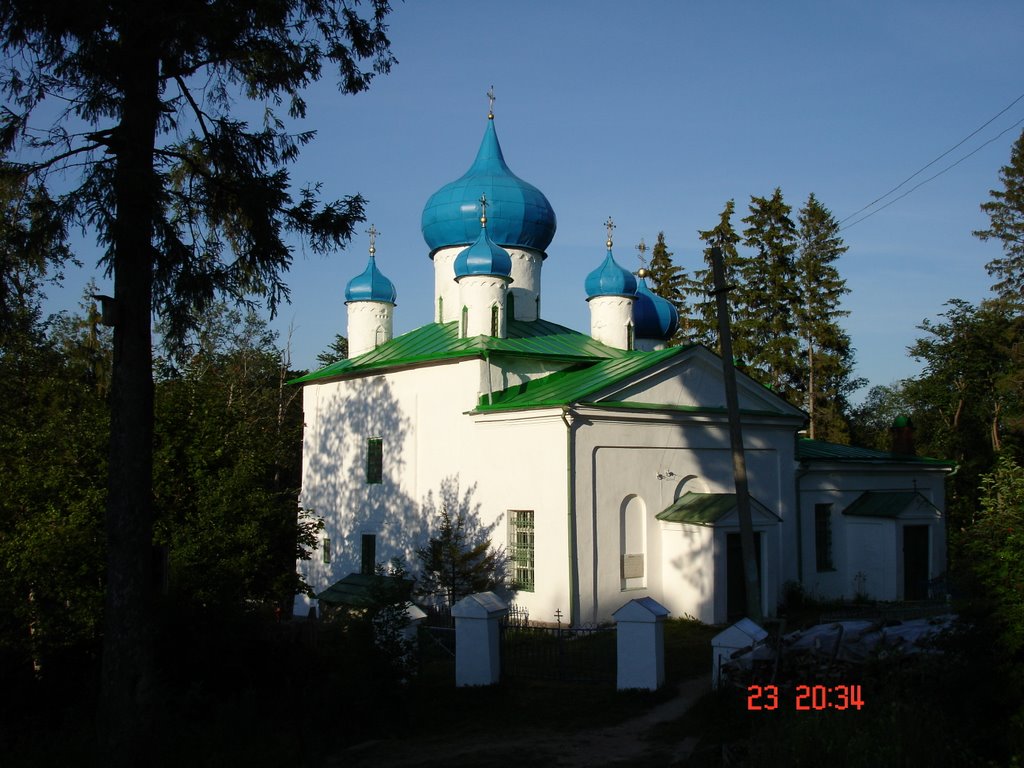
(712, 509)
(366, 590)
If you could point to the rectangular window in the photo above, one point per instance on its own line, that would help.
(823, 536)
(369, 555)
(327, 550)
(520, 548)
(374, 460)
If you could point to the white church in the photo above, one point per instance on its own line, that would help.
(601, 462)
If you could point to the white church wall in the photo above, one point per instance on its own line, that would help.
(520, 460)
(490, 464)
(656, 461)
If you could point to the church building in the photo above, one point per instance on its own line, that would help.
(600, 462)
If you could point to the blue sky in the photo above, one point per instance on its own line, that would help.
(656, 113)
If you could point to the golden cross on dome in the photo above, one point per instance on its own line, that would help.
(483, 210)
(490, 103)
(610, 225)
(372, 232)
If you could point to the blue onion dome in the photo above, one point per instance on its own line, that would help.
(610, 279)
(520, 215)
(371, 285)
(654, 317)
(483, 257)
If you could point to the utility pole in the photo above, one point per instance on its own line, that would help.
(739, 464)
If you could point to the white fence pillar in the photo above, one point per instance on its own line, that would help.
(743, 634)
(640, 627)
(477, 639)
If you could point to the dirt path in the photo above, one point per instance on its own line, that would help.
(622, 745)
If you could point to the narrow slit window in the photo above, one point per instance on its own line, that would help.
(823, 536)
(368, 559)
(465, 322)
(494, 320)
(327, 550)
(374, 460)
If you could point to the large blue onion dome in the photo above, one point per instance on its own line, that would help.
(371, 285)
(610, 279)
(483, 257)
(520, 215)
(654, 317)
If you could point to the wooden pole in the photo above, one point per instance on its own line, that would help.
(739, 464)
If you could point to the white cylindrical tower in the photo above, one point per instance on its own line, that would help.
(370, 300)
(611, 292)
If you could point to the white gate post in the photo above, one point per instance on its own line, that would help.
(640, 630)
(477, 639)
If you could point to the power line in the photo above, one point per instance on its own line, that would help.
(930, 178)
(929, 165)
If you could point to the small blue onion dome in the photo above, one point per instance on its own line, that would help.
(483, 257)
(610, 279)
(371, 285)
(520, 216)
(654, 317)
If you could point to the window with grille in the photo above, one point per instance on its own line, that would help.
(823, 536)
(520, 548)
(375, 460)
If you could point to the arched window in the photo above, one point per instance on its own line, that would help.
(629, 336)
(494, 320)
(632, 542)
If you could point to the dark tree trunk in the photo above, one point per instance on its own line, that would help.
(128, 666)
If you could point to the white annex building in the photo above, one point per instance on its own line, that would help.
(600, 462)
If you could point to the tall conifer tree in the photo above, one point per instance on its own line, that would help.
(826, 357)
(1006, 223)
(705, 317)
(765, 327)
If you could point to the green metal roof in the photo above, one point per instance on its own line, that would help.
(884, 503)
(706, 508)
(440, 341)
(363, 590)
(819, 450)
(576, 383)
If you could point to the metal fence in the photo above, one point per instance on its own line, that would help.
(566, 654)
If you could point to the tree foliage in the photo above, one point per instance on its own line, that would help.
(1006, 224)
(458, 560)
(337, 350)
(228, 462)
(994, 545)
(190, 203)
(826, 359)
(724, 236)
(53, 463)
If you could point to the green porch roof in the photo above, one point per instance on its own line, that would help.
(706, 508)
(887, 504)
(575, 383)
(364, 590)
(440, 341)
(819, 450)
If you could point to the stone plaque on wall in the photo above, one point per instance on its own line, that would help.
(632, 566)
